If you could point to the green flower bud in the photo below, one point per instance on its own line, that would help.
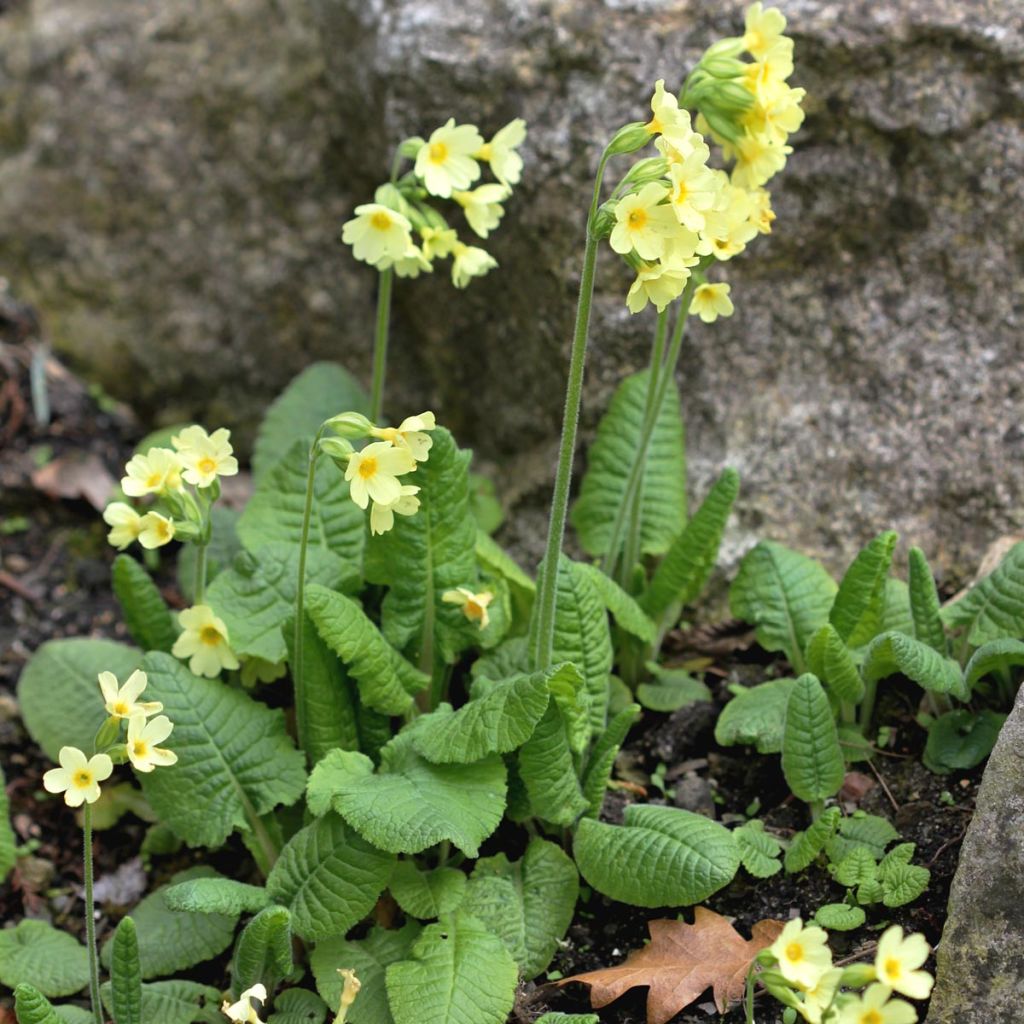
(629, 138)
(729, 47)
(107, 734)
(348, 424)
(643, 171)
(723, 67)
(604, 222)
(336, 448)
(731, 97)
(185, 530)
(858, 975)
(411, 146)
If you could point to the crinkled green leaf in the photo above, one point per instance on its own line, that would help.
(32, 1007)
(959, 740)
(175, 1002)
(893, 653)
(830, 660)
(386, 680)
(510, 658)
(859, 604)
(220, 552)
(859, 865)
(427, 894)
(811, 758)
(839, 917)
(756, 717)
(298, 1006)
(997, 656)
(674, 858)
(68, 1013)
(602, 758)
(663, 481)
(672, 689)
(234, 755)
(759, 851)
(126, 975)
(896, 614)
(263, 952)
(924, 602)
(216, 896)
(496, 561)
(992, 609)
(870, 831)
(785, 595)
(328, 877)
(7, 842)
(548, 771)
(458, 973)
(901, 854)
(145, 611)
(626, 612)
(903, 883)
(805, 846)
(59, 695)
(37, 954)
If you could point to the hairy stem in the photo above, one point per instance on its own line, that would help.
(90, 923)
(199, 584)
(380, 343)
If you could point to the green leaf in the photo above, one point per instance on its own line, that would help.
(663, 482)
(411, 804)
(860, 601)
(59, 695)
(893, 653)
(992, 609)
(328, 877)
(321, 391)
(869, 892)
(859, 865)
(68, 1013)
(626, 612)
(458, 972)
(220, 552)
(903, 883)
(756, 717)
(235, 758)
(602, 758)
(811, 758)
(924, 603)
(528, 903)
(672, 690)
(216, 896)
(256, 596)
(32, 1007)
(386, 680)
(126, 975)
(896, 614)
(497, 562)
(175, 1002)
(830, 660)
(759, 851)
(263, 952)
(785, 595)
(548, 771)
(869, 831)
(675, 858)
(169, 940)
(483, 500)
(839, 917)
(996, 657)
(427, 894)
(684, 571)
(426, 555)
(145, 612)
(805, 846)
(298, 1006)
(959, 740)
(8, 855)
(369, 958)
(49, 960)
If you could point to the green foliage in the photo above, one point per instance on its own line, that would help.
(298, 1006)
(602, 758)
(839, 917)
(759, 851)
(426, 894)
(996, 657)
(263, 952)
(216, 896)
(870, 832)
(547, 768)
(924, 602)
(830, 660)
(896, 652)
(220, 552)
(555, 1017)
(811, 759)
(859, 607)
(805, 846)
(37, 954)
(175, 1002)
(896, 613)
(959, 740)
(495, 561)
(663, 482)
(756, 716)
(671, 690)
(626, 612)
(8, 854)
(858, 866)
(994, 608)
(675, 858)
(145, 612)
(126, 975)
(32, 1007)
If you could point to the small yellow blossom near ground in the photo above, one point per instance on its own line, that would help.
(205, 456)
(445, 161)
(125, 523)
(382, 517)
(155, 530)
(123, 701)
(668, 119)
(764, 28)
(483, 207)
(243, 1011)
(204, 642)
(500, 152)
(157, 471)
(470, 261)
(373, 473)
(819, 998)
(143, 737)
(710, 301)
(78, 776)
(875, 1007)
(377, 232)
(642, 223)
(897, 962)
(474, 606)
(802, 953)
(410, 433)
(659, 283)
(350, 989)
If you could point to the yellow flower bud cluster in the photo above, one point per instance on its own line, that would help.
(403, 229)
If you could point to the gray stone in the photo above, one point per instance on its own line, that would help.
(172, 180)
(980, 978)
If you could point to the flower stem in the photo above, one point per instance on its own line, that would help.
(547, 587)
(199, 585)
(380, 343)
(90, 924)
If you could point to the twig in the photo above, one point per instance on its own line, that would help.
(881, 782)
(19, 588)
(945, 846)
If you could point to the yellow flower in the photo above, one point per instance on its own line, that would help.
(775, 66)
(243, 1012)
(675, 151)
(500, 152)
(205, 456)
(382, 517)
(761, 212)
(377, 232)
(658, 283)
(470, 262)
(474, 606)
(445, 161)
(156, 530)
(126, 524)
(204, 642)
(642, 223)
(143, 738)
(411, 434)
(695, 189)
(776, 112)
(374, 472)
(483, 207)
(438, 242)
(897, 962)
(710, 301)
(78, 777)
(123, 702)
(819, 998)
(412, 263)
(802, 953)
(350, 989)
(728, 229)
(259, 670)
(874, 1007)
(157, 471)
(667, 119)
(764, 28)
(757, 160)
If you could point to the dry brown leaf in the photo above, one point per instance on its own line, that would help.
(76, 476)
(680, 962)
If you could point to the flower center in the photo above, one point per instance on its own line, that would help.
(637, 219)
(368, 467)
(82, 778)
(121, 708)
(207, 464)
(380, 220)
(140, 748)
(794, 952)
(438, 152)
(892, 967)
(654, 126)
(210, 635)
(681, 192)
(872, 1017)
(473, 610)
(153, 480)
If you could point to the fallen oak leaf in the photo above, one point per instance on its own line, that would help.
(682, 961)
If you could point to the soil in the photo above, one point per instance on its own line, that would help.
(55, 582)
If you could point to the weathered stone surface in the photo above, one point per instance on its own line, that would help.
(173, 178)
(980, 978)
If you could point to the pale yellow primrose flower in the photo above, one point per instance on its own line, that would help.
(78, 777)
(382, 517)
(897, 962)
(143, 738)
(123, 702)
(204, 642)
(155, 530)
(710, 301)
(374, 472)
(695, 189)
(125, 523)
(642, 224)
(668, 119)
(761, 212)
(500, 152)
(410, 434)
(205, 456)
(764, 28)
(470, 262)
(727, 230)
(818, 999)
(350, 989)
(874, 1007)
(243, 1012)
(377, 232)
(483, 207)
(438, 242)
(802, 953)
(757, 160)
(157, 471)
(474, 606)
(412, 263)
(445, 161)
(659, 283)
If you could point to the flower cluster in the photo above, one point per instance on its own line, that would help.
(802, 976)
(404, 231)
(79, 776)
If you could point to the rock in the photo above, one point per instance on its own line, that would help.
(980, 978)
(173, 180)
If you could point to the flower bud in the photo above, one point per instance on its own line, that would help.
(858, 975)
(349, 424)
(336, 448)
(723, 67)
(109, 733)
(629, 138)
(729, 47)
(604, 222)
(643, 171)
(731, 97)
